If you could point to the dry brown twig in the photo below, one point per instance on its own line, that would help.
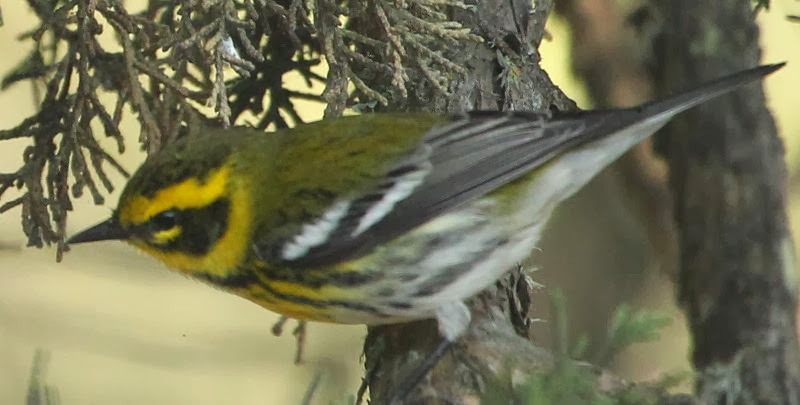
(165, 71)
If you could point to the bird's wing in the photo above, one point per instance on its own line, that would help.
(464, 159)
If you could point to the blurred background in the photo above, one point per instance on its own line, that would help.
(119, 328)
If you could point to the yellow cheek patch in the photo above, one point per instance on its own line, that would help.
(167, 235)
(189, 193)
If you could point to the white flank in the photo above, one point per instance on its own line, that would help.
(315, 233)
(401, 189)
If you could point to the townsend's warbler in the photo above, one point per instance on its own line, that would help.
(376, 218)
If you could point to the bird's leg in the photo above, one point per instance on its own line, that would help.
(299, 335)
(407, 385)
(452, 320)
(371, 366)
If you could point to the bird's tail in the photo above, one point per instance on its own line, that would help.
(683, 101)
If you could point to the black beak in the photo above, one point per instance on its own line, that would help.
(106, 230)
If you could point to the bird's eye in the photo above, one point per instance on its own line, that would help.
(165, 220)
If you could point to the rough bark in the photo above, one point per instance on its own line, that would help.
(737, 277)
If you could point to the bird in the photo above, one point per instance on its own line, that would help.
(377, 218)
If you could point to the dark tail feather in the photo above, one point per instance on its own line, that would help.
(683, 101)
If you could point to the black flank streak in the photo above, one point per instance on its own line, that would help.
(316, 280)
(352, 278)
(232, 281)
(323, 303)
(436, 284)
(400, 305)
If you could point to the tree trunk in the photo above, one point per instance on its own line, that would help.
(737, 277)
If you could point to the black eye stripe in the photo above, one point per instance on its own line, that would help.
(201, 227)
(165, 220)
